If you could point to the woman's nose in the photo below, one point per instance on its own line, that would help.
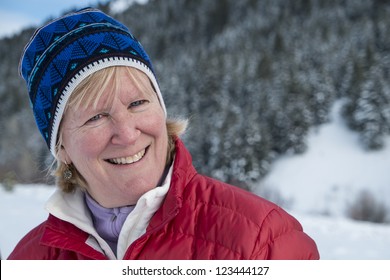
(125, 131)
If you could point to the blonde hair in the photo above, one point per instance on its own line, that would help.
(88, 93)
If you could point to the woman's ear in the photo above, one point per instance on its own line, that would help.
(63, 155)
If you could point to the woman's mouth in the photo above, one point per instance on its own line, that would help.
(128, 160)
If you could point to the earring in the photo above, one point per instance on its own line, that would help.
(67, 173)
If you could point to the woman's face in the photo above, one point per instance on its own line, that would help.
(119, 146)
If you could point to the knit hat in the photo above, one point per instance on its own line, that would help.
(67, 50)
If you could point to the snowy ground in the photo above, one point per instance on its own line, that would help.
(323, 180)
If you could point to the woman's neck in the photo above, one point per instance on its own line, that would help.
(108, 222)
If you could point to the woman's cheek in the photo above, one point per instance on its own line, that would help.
(155, 122)
(92, 141)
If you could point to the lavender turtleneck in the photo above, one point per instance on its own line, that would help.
(108, 222)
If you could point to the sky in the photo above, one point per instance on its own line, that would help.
(18, 14)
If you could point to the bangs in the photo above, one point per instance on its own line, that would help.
(89, 92)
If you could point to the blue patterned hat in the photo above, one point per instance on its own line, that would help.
(67, 50)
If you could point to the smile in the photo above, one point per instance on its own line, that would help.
(128, 160)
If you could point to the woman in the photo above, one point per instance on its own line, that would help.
(127, 186)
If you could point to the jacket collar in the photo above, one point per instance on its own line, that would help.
(183, 172)
(70, 219)
(64, 235)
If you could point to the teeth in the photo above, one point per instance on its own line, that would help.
(128, 160)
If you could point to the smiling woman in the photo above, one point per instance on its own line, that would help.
(101, 87)
(127, 188)
(121, 140)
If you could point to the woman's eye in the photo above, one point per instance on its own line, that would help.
(137, 103)
(95, 118)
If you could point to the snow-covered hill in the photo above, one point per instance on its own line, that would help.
(332, 172)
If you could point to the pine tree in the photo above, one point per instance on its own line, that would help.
(369, 117)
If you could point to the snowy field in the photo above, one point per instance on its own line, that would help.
(318, 184)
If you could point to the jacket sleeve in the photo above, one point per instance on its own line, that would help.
(282, 238)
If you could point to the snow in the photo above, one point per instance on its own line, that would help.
(345, 239)
(119, 6)
(319, 183)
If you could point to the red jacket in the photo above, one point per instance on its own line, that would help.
(200, 218)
